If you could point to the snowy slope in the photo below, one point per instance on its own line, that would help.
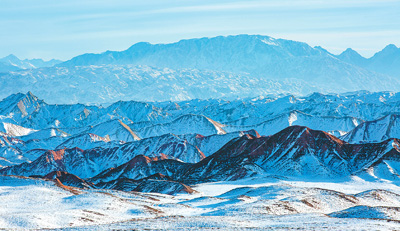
(114, 130)
(86, 141)
(15, 151)
(210, 144)
(14, 61)
(34, 204)
(87, 163)
(44, 134)
(231, 67)
(258, 55)
(375, 131)
(15, 130)
(185, 124)
(110, 83)
(258, 203)
(379, 212)
(28, 111)
(333, 125)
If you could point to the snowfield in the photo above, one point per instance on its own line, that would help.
(259, 203)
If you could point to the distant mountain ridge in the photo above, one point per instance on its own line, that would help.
(254, 54)
(344, 111)
(260, 56)
(386, 61)
(226, 67)
(376, 130)
(13, 63)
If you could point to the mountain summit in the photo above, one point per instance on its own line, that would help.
(220, 67)
(260, 56)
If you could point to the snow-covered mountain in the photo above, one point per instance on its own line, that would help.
(334, 125)
(110, 83)
(221, 67)
(375, 131)
(100, 153)
(28, 111)
(15, 130)
(386, 61)
(229, 127)
(186, 124)
(261, 56)
(114, 130)
(38, 125)
(87, 163)
(295, 151)
(353, 57)
(18, 64)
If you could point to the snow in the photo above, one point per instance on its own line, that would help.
(32, 204)
(376, 130)
(248, 204)
(203, 68)
(191, 130)
(15, 130)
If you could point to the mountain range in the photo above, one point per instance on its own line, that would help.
(385, 61)
(32, 123)
(229, 132)
(188, 131)
(13, 63)
(293, 152)
(227, 67)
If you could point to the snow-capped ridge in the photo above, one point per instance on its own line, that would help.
(184, 124)
(375, 131)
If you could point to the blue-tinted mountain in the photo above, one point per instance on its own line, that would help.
(260, 56)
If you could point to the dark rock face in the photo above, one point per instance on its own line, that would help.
(141, 167)
(157, 183)
(68, 179)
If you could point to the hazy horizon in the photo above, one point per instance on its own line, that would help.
(335, 53)
(61, 30)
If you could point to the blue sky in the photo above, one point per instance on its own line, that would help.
(65, 28)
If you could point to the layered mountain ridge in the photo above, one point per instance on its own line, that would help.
(203, 125)
(227, 132)
(385, 61)
(224, 67)
(293, 152)
(13, 63)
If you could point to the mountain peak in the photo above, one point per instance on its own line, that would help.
(9, 57)
(304, 135)
(350, 51)
(353, 57)
(351, 54)
(323, 50)
(31, 95)
(390, 47)
(138, 45)
(387, 51)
